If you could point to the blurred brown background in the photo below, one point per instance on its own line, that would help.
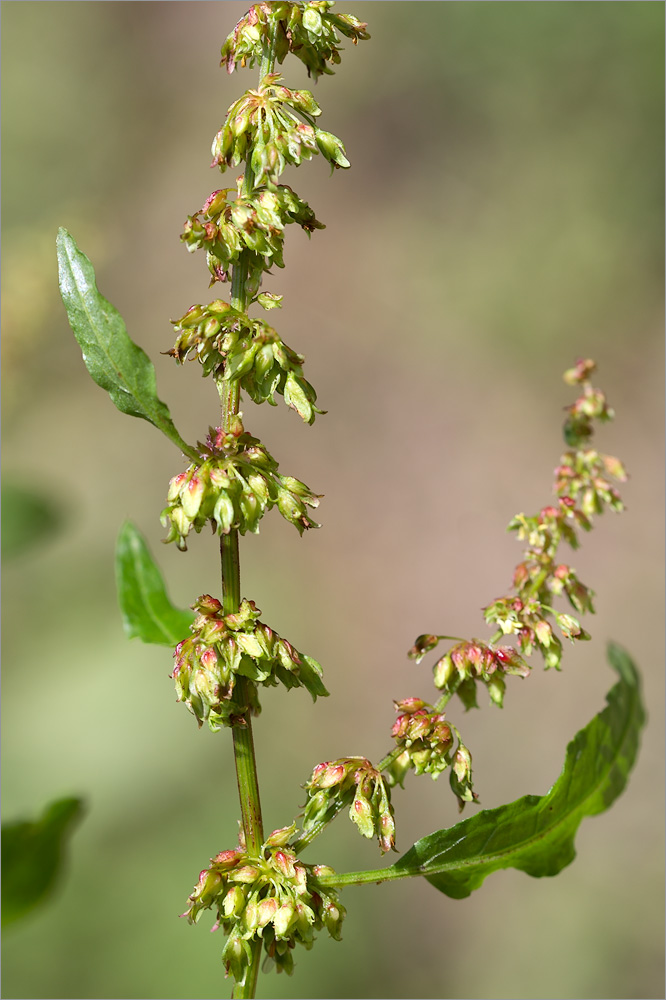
(503, 216)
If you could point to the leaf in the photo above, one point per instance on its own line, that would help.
(535, 834)
(33, 857)
(114, 361)
(147, 612)
(28, 519)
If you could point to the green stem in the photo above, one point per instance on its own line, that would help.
(309, 835)
(247, 987)
(389, 758)
(538, 582)
(246, 766)
(244, 756)
(447, 696)
(338, 880)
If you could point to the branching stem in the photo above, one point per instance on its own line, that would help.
(309, 835)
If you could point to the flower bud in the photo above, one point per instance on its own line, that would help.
(571, 627)
(544, 633)
(175, 486)
(234, 902)
(398, 769)
(615, 468)
(443, 671)
(284, 918)
(496, 688)
(422, 645)
(409, 705)
(266, 911)
(361, 814)
(331, 147)
(321, 871)
(312, 21)
(236, 957)
(279, 838)
(251, 916)
(332, 775)
(333, 915)
(226, 859)
(580, 373)
(245, 874)
(210, 882)
(462, 763)
(283, 861)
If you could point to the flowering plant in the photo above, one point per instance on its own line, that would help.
(264, 897)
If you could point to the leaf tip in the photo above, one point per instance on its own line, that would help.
(622, 663)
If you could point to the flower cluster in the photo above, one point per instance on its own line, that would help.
(468, 662)
(265, 125)
(583, 490)
(274, 898)
(308, 30)
(588, 407)
(234, 347)
(226, 228)
(224, 648)
(332, 784)
(425, 741)
(233, 487)
(528, 619)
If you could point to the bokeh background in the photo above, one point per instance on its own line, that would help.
(503, 216)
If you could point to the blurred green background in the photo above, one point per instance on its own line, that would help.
(503, 216)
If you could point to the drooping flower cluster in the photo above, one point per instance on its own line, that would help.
(583, 489)
(425, 740)
(233, 346)
(468, 662)
(225, 228)
(223, 648)
(308, 30)
(265, 124)
(332, 784)
(274, 898)
(233, 487)
(424, 736)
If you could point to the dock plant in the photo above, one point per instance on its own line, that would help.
(227, 656)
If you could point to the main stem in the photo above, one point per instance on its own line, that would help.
(244, 756)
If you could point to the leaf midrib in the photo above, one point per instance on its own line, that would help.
(488, 858)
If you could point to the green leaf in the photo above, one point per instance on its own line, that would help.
(147, 611)
(114, 361)
(33, 857)
(28, 519)
(536, 834)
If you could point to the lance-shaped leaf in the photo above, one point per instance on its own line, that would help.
(536, 833)
(33, 857)
(114, 361)
(146, 609)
